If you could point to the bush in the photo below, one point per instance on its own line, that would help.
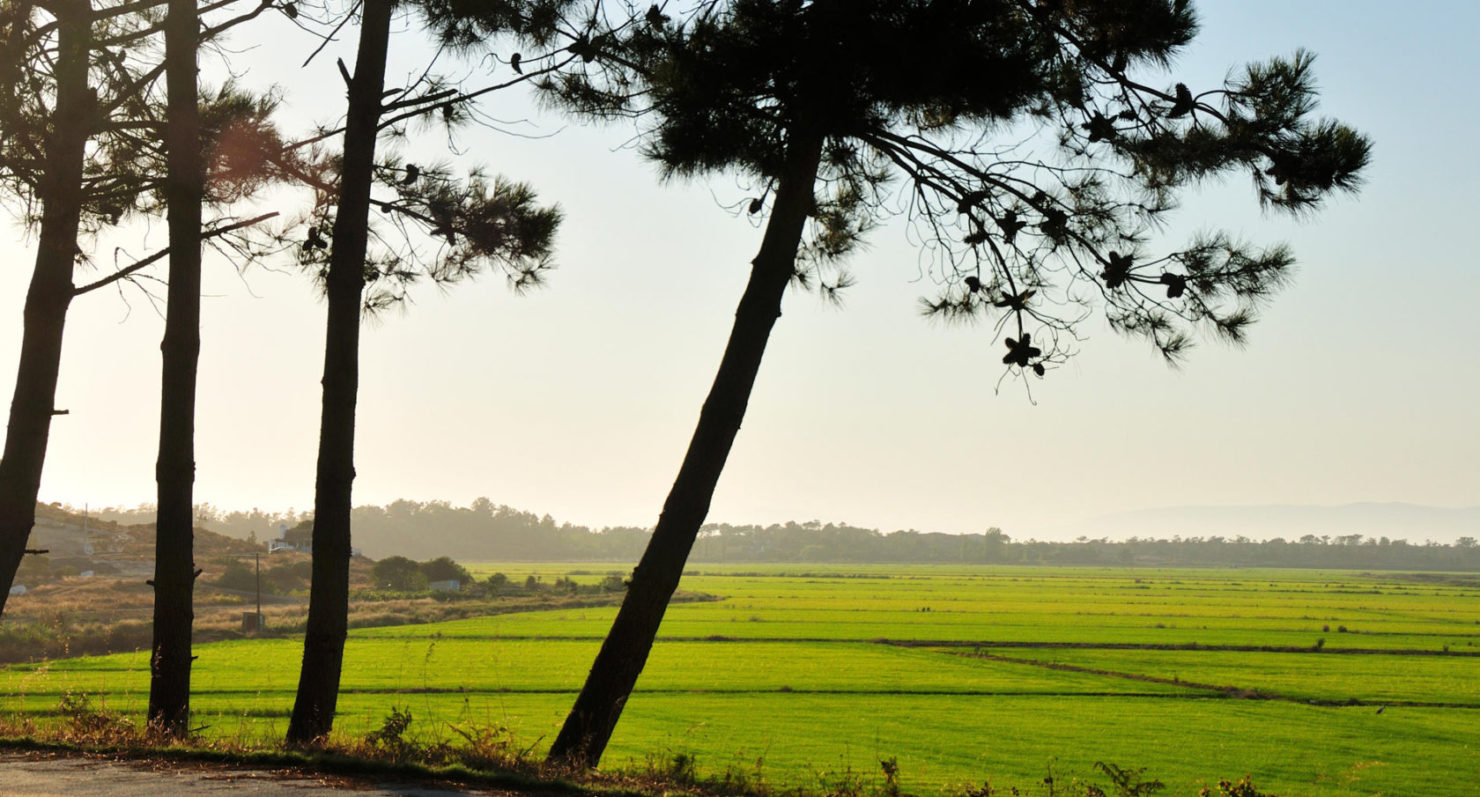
(290, 577)
(237, 575)
(391, 736)
(444, 569)
(87, 724)
(399, 574)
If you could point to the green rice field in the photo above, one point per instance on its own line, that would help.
(1316, 683)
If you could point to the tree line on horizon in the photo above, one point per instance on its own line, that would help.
(487, 532)
(1035, 154)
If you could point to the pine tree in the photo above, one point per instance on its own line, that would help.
(72, 73)
(47, 151)
(472, 223)
(1038, 144)
(174, 559)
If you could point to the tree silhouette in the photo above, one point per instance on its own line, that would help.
(1036, 147)
(174, 560)
(185, 190)
(73, 74)
(57, 155)
(473, 223)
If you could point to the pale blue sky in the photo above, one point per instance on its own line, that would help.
(1360, 383)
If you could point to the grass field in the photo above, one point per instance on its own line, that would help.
(1317, 683)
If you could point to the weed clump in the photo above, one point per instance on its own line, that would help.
(1243, 788)
(1126, 782)
(86, 724)
(391, 735)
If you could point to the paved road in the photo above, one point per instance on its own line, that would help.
(47, 774)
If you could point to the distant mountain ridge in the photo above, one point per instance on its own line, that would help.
(1396, 520)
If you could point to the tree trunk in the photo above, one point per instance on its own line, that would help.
(50, 292)
(328, 606)
(589, 726)
(174, 558)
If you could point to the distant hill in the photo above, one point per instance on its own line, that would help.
(68, 535)
(1413, 522)
(1356, 536)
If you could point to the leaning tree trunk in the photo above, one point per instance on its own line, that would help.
(589, 726)
(174, 558)
(328, 604)
(60, 193)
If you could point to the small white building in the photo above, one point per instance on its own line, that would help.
(449, 585)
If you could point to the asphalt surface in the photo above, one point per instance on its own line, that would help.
(48, 774)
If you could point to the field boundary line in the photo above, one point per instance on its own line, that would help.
(1324, 651)
(1230, 692)
(958, 643)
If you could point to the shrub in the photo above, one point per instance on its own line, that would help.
(1243, 788)
(89, 725)
(390, 737)
(444, 569)
(890, 766)
(290, 577)
(237, 575)
(399, 574)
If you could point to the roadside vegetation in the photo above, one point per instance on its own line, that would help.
(482, 755)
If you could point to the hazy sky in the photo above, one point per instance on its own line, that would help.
(1359, 384)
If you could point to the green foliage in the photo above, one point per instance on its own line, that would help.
(397, 573)
(1036, 192)
(890, 768)
(471, 24)
(729, 86)
(391, 735)
(453, 226)
(444, 569)
(681, 768)
(124, 167)
(243, 150)
(476, 223)
(300, 534)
